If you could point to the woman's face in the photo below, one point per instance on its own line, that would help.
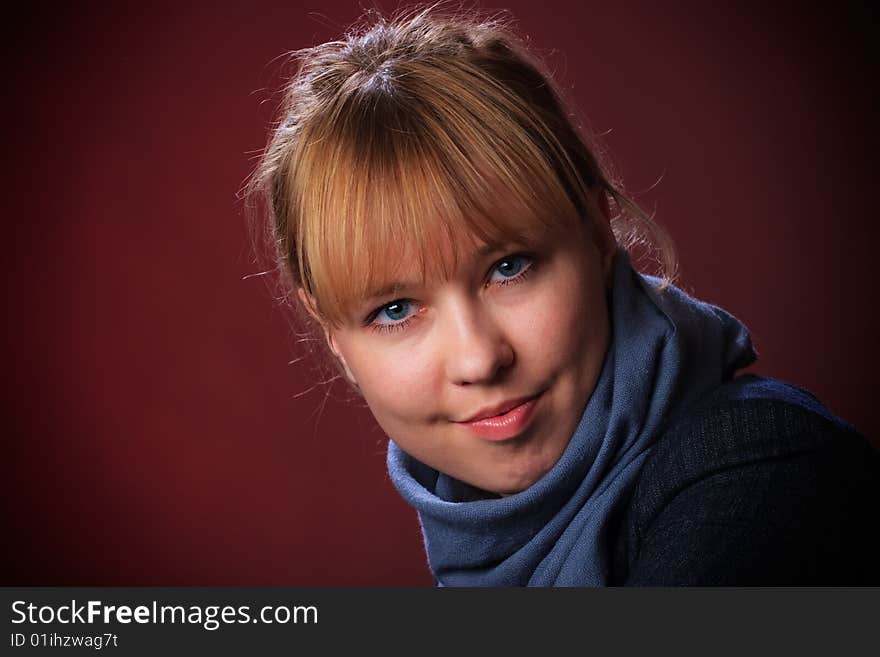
(521, 326)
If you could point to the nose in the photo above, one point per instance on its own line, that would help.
(477, 348)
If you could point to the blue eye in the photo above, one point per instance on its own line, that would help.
(394, 311)
(510, 268)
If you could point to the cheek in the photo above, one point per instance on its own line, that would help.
(398, 387)
(567, 320)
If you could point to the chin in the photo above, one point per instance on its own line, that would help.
(512, 488)
(522, 478)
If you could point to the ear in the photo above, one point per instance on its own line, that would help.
(605, 240)
(334, 349)
(311, 307)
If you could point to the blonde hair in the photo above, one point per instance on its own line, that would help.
(413, 130)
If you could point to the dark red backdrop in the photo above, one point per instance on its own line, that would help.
(152, 433)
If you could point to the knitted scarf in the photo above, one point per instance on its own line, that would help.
(666, 350)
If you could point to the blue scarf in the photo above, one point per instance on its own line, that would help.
(666, 351)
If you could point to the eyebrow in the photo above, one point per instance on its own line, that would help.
(391, 288)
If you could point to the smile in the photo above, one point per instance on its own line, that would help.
(504, 425)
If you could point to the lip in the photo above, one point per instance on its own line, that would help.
(503, 421)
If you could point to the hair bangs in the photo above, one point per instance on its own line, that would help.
(411, 186)
(396, 200)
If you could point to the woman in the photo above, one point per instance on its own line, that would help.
(555, 417)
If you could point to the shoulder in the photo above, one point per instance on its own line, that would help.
(747, 420)
(757, 483)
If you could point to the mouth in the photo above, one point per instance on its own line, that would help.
(498, 409)
(505, 421)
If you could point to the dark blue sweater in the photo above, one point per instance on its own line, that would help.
(757, 484)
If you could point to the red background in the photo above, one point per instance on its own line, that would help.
(152, 433)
